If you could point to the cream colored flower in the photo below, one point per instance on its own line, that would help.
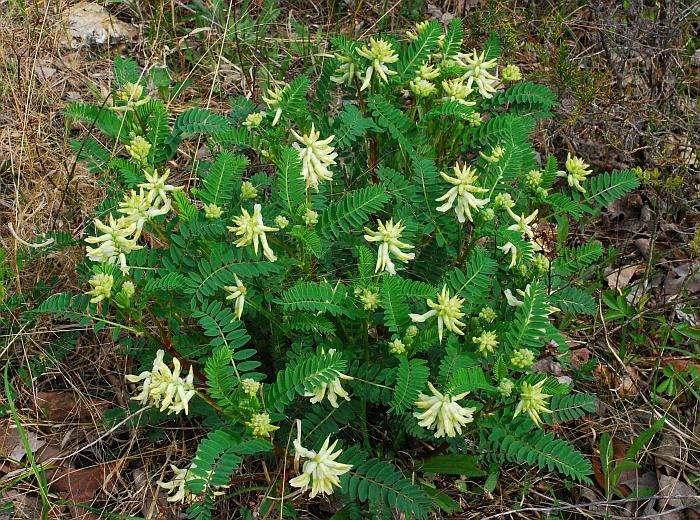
(397, 347)
(487, 314)
(157, 188)
(117, 241)
(428, 71)
(260, 425)
(388, 235)
(477, 72)
(420, 27)
(320, 469)
(533, 401)
(505, 387)
(237, 292)
(522, 223)
(273, 100)
(576, 172)
(138, 149)
(456, 90)
(163, 387)
(128, 288)
(310, 218)
(251, 230)
(281, 221)
(101, 287)
(177, 487)
(448, 311)
(510, 248)
(486, 342)
(332, 390)
(512, 300)
(503, 201)
(316, 155)
(462, 191)
(139, 208)
(443, 413)
(380, 53)
(248, 191)
(495, 156)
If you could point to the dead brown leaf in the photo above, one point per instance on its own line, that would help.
(620, 278)
(60, 405)
(580, 357)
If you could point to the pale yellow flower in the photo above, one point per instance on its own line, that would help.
(388, 235)
(261, 426)
(478, 72)
(448, 311)
(533, 401)
(251, 230)
(576, 172)
(164, 387)
(510, 248)
(347, 71)
(456, 90)
(273, 100)
(443, 413)
(250, 386)
(522, 223)
(486, 342)
(212, 211)
(237, 292)
(380, 53)
(320, 469)
(254, 120)
(316, 155)
(138, 149)
(116, 241)
(462, 191)
(157, 188)
(101, 287)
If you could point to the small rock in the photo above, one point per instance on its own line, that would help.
(90, 24)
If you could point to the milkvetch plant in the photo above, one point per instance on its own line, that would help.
(368, 267)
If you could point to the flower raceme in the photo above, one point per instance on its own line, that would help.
(533, 401)
(332, 389)
(576, 172)
(448, 311)
(477, 72)
(177, 487)
(380, 53)
(237, 292)
(463, 191)
(316, 155)
(116, 241)
(442, 413)
(164, 387)
(320, 469)
(101, 287)
(251, 230)
(273, 100)
(522, 223)
(388, 235)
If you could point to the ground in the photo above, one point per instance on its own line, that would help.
(628, 76)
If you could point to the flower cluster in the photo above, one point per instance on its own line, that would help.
(251, 230)
(442, 413)
(448, 310)
(316, 155)
(463, 191)
(320, 469)
(164, 387)
(388, 235)
(380, 53)
(576, 172)
(533, 401)
(237, 292)
(477, 72)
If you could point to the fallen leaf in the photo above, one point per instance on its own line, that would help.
(620, 278)
(60, 405)
(580, 357)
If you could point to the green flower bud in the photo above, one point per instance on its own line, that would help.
(281, 222)
(212, 211)
(503, 201)
(505, 387)
(511, 73)
(248, 191)
(522, 358)
(138, 149)
(487, 314)
(397, 347)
